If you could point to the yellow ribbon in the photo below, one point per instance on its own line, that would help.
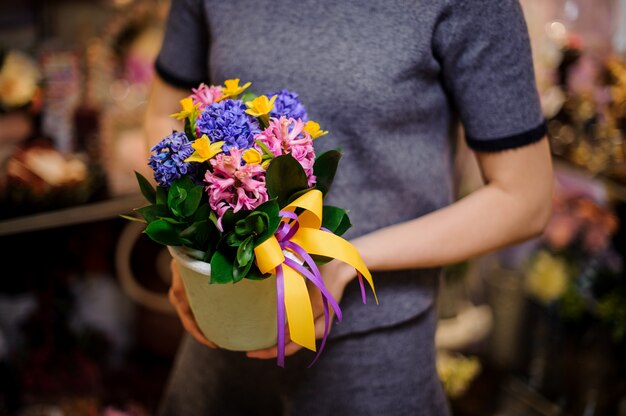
(269, 255)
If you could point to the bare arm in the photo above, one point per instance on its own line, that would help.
(513, 206)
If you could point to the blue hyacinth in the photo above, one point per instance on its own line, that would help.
(168, 160)
(228, 121)
(289, 105)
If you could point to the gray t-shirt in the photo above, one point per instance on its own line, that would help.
(390, 80)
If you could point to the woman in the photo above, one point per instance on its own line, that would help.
(389, 80)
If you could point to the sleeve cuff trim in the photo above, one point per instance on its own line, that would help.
(508, 142)
(175, 80)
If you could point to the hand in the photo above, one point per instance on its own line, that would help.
(336, 276)
(178, 298)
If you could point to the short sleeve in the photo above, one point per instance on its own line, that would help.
(182, 60)
(484, 51)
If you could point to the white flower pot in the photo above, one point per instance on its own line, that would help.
(239, 316)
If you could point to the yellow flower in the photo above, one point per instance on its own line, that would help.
(456, 372)
(260, 106)
(188, 109)
(232, 88)
(314, 130)
(547, 277)
(252, 157)
(205, 150)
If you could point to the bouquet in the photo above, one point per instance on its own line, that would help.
(240, 200)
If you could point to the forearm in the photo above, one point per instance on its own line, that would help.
(486, 220)
(509, 209)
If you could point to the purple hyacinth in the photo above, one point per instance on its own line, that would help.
(228, 121)
(168, 160)
(289, 105)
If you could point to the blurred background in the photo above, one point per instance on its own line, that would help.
(85, 327)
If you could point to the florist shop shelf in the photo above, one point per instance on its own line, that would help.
(97, 211)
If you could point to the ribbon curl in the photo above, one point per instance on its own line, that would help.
(300, 236)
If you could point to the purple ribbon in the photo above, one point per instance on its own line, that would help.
(311, 272)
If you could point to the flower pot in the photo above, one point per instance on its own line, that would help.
(239, 316)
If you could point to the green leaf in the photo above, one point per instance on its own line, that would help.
(203, 213)
(239, 272)
(321, 260)
(243, 260)
(221, 268)
(233, 240)
(200, 233)
(146, 189)
(325, 168)
(192, 202)
(266, 151)
(175, 199)
(230, 218)
(242, 228)
(255, 223)
(284, 177)
(178, 194)
(249, 96)
(208, 254)
(258, 222)
(161, 196)
(165, 233)
(153, 212)
(245, 252)
(173, 221)
(190, 130)
(136, 219)
(344, 225)
(335, 219)
(255, 274)
(191, 230)
(272, 210)
(213, 218)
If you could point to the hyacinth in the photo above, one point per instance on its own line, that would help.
(288, 104)
(227, 120)
(168, 160)
(233, 185)
(206, 95)
(288, 136)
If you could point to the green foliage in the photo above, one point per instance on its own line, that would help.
(190, 129)
(177, 216)
(146, 189)
(248, 96)
(181, 216)
(325, 168)
(284, 177)
(336, 219)
(221, 268)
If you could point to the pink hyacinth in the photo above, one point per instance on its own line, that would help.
(206, 95)
(287, 136)
(231, 185)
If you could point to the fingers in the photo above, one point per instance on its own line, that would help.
(178, 299)
(272, 352)
(290, 346)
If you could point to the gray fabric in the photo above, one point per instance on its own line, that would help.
(388, 80)
(384, 372)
